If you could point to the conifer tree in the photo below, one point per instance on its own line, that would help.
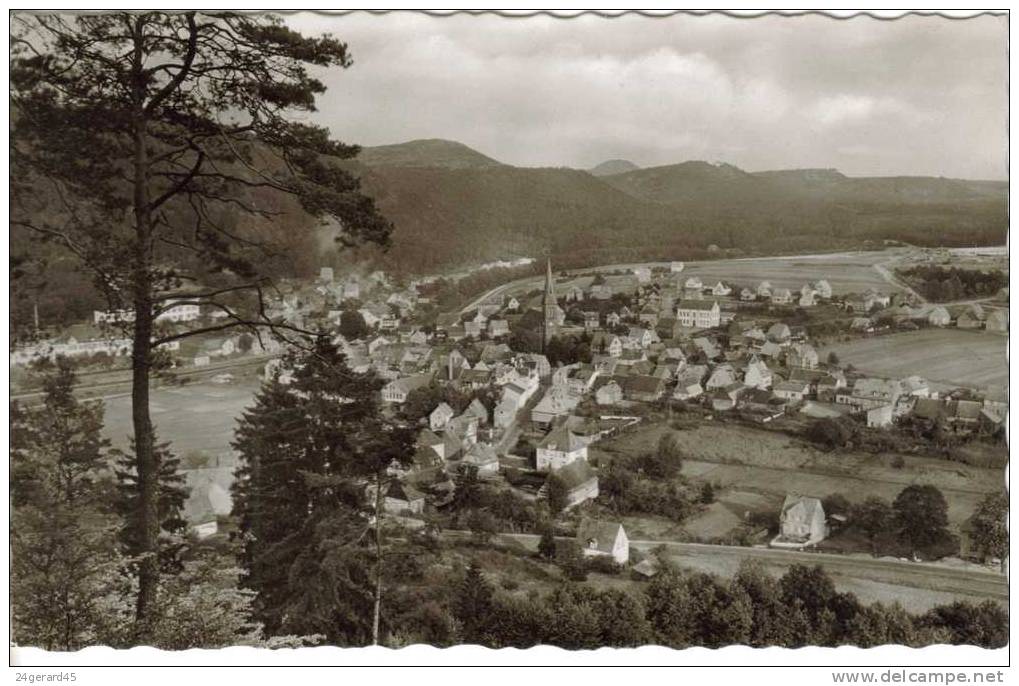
(314, 456)
(63, 560)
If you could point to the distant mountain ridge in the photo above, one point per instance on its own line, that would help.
(610, 167)
(453, 206)
(429, 152)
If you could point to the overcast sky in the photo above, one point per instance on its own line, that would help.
(913, 96)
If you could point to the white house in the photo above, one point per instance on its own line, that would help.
(609, 394)
(720, 289)
(397, 390)
(440, 416)
(698, 314)
(676, 267)
(791, 390)
(597, 538)
(559, 448)
(179, 311)
(823, 288)
(802, 522)
(693, 284)
(781, 296)
(112, 316)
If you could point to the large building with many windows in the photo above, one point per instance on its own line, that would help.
(698, 314)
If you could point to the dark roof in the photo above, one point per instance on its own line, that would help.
(640, 383)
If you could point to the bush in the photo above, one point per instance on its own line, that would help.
(603, 564)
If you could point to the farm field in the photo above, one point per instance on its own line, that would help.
(757, 468)
(847, 273)
(851, 272)
(946, 357)
(197, 417)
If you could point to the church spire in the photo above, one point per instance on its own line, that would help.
(550, 307)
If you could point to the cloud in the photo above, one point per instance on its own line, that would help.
(763, 93)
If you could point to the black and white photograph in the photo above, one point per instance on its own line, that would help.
(557, 332)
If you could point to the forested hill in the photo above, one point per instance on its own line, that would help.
(452, 209)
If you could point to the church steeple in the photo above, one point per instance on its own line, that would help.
(550, 308)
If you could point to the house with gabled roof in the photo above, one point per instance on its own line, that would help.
(802, 522)
(997, 321)
(482, 457)
(477, 409)
(801, 355)
(604, 539)
(610, 393)
(396, 391)
(580, 481)
(822, 288)
(402, 499)
(720, 289)
(641, 388)
(440, 416)
(698, 314)
(558, 448)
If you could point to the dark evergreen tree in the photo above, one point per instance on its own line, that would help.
(173, 494)
(546, 544)
(63, 561)
(313, 453)
(472, 603)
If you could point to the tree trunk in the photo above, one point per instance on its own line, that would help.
(141, 361)
(378, 560)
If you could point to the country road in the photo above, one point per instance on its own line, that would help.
(846, 570)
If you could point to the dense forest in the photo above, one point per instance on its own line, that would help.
(945, 284)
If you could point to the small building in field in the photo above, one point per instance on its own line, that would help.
(604, 539)
(939, 316)
(781, 296)
(802, 522)
(997, 321)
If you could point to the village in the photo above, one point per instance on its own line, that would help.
(517, 391)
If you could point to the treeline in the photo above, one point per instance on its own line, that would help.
(945, 284)
(682, 609)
